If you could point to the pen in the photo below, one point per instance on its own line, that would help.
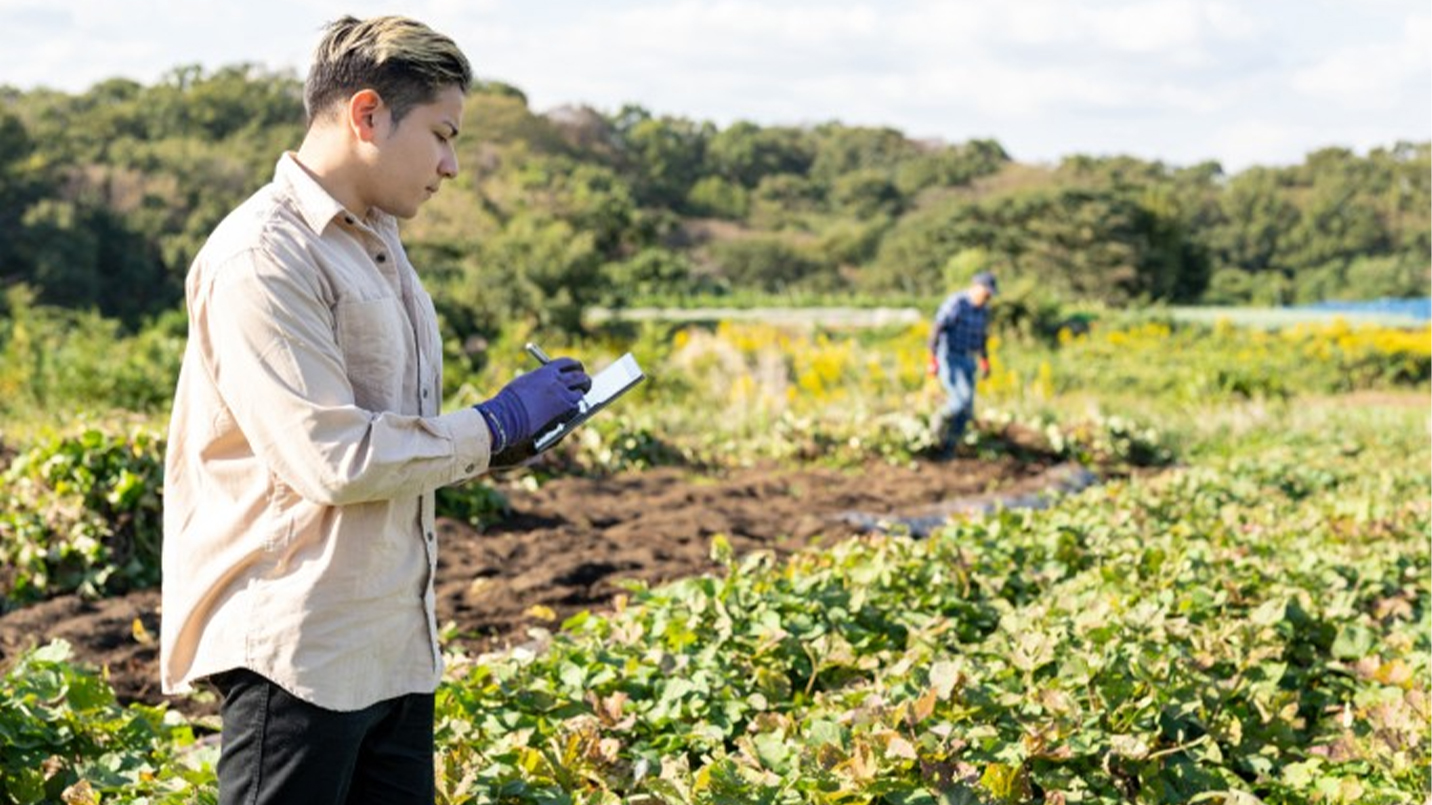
(536, 352)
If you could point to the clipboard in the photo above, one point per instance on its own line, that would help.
(621, 376)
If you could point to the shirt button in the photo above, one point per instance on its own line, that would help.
(425, 394)
(348, 219)
(469, 468)
(430, 536)
(382, 258)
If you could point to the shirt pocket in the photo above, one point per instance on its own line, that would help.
(376, 342)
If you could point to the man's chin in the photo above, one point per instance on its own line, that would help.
(405, 213)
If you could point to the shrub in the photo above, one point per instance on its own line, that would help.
(82, 514)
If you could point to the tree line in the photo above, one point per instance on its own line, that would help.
(107, 195)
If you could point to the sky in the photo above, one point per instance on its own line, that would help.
(1242, 82)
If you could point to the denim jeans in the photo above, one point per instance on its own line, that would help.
(957, 375)
(278, 749)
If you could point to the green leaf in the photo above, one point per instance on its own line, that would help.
(1353, 642)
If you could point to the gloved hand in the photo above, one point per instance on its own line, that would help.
(984, 367)
(532, 403)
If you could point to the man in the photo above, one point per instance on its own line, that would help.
(307, 441)
(959, 343)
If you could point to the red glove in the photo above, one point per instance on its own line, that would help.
(932, 367)
(984, 367)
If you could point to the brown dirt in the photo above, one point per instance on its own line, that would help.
(567, 546)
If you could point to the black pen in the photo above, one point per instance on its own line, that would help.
(537, 353)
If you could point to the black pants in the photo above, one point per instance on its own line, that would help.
(278, 749)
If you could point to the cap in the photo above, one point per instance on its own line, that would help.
(987, 280)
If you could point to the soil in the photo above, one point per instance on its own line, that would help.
(567, 546)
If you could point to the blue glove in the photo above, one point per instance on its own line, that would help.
(534, 402)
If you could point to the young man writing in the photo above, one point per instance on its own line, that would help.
(307, 441)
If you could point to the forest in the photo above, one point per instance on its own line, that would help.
(106, 196)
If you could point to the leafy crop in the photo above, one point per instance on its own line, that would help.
(64, 739)
(1241, 633)
(81, 513)
(1252, 627)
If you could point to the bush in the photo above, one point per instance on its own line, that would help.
(82, 514)
(56, 360)
(67, 740)
(768, 263)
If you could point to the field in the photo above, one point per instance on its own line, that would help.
(713, 595)
(567, 546)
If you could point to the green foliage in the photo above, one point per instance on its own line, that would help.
(54, 360)
(1151, 641)
(1082, 242)
(1252, 624)
(19, 188)
(766, 262)
(949, 166)
(477, 504)
(865, 193)
(844, 150)
(81, 514)
(1293, 234)
(619, 444)
(719, 198)
(133, 178)
(783, 199)
(1139, 642)
(1114, 444)
(662, 156)
(648, 273)
(538, 272)
(64, 739)
(116, 188)
(745, 153)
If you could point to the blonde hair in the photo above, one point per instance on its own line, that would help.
(404, 61)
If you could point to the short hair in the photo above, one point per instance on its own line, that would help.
(404, 61)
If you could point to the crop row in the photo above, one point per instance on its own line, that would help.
(1252, 629)
(83, 513)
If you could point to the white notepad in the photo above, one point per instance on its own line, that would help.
(607, 385)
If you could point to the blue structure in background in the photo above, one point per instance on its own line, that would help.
(1412, 308)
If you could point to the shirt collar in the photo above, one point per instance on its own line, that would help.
(317, 206)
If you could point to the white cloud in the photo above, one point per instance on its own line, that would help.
(1372, 75)
(1182, 80)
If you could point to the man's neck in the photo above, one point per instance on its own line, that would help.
(329, 163)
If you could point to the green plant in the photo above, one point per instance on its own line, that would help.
(82, 513)
(1152, 641)
(477, 504)
(64, 739)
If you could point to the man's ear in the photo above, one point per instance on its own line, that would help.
(365, 113)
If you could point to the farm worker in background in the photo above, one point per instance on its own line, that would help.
(958, 340)
(307, 441)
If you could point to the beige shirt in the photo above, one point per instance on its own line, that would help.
(304, 449)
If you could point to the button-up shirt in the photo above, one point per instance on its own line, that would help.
(304, 448)
(960, 326)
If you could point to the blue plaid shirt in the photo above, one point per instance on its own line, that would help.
(960, 326)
